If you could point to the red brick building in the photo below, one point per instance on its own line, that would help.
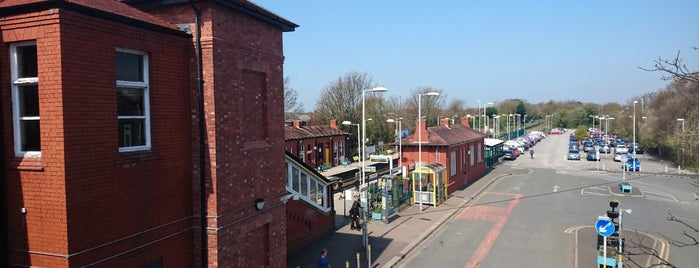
(317, 146)
(102, 124)
(456, 152)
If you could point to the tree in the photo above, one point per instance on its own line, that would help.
(292, 106)
(431, 106)
(674, 69)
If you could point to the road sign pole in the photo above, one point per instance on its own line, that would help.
(604, 248)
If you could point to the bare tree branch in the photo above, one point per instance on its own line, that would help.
(675, 69)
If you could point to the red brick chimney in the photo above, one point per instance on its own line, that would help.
(464, 121)
(421, 127)
(333, 124)
(444, 122)
(297, 123)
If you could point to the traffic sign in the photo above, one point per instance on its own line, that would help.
(604, 227)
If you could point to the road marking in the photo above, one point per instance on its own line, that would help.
(660, 196)
(595, 190)
(487, 243)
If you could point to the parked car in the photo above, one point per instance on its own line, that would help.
(604, 148)
(556, 131)
(633, 164)
(621, 148)
(573, 155)
(619, 156)
(509, 154)
(593, 156)
(639, 150)
(588, 146)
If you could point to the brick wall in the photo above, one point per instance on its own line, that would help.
(85, 201)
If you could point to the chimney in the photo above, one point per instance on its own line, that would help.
(464, 121)
(297, 123)
(422, 128)
(333, 124)
(444, 122)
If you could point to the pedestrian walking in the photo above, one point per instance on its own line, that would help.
(354, 214)
(531, 152)
(323, 260)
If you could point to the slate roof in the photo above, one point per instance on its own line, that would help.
(309, 132)
(446, 136)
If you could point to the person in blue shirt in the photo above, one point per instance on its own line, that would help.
(323, 260)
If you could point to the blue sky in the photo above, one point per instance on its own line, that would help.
(537, 51)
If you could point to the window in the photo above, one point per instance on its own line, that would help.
(25, 99)
(470, 155)
(480, 153)
(133, 100)
(452, 163)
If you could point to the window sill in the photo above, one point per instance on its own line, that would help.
(26, 164)
(131, 159)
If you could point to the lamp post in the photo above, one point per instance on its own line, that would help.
(509, 132)
(681, 120)
(607, 123)
(364, 213)
(518, 117)
(621, 241)
(479, 115)
(524, 124)
(485, 115)
(419, 139)
(399, 138)
(633, 154)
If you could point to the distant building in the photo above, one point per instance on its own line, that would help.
(452, 156)
(320, 146)
(102, 160)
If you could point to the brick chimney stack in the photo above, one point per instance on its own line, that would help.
(333, 124)
(422, 128)
(444, 122)
(464, 121)
(297, 123)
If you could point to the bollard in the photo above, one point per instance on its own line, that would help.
(679, 168)
(665, 169)
(347, 264)
(368, 254)
(358, 264)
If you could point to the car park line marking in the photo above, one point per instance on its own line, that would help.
(595, 190)
(660, 196)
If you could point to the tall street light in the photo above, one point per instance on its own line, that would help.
(634, 131)
(682, 120)
(525, 125)
(518, 117)
(419, 138)
(508, 127)
(364, 214)
(479, 115)
(399, 138)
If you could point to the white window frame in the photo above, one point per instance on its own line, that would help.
(145, 86)
(452, 163)
(16, 82)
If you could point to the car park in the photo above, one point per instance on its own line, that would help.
(593, 156)
(509, 153)
(573, 155)
(619, 156)
(633, 164)
(621, 148)
(635, 146)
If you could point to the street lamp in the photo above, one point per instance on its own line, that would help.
(479, 115)
(485, 115)
(508, 126)
(621, 241)
(364, 214)
(634, 131)
(607, 123)
(419, 138)
(399, 137)
(518, 117)
(525, 125)
(682, 120)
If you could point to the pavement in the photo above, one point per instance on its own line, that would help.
(390, 243)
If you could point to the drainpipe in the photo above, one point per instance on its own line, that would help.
(202, 143)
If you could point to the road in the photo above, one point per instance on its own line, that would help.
(545, 217)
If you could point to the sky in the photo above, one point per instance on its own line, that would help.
(588, 51)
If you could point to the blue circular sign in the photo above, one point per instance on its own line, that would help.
(604, 227)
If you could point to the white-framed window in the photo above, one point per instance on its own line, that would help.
(25, 99)
(470, 155)
(133, 109)
(480, 152)
(452, 163)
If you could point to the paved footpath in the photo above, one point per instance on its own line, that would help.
(390, 242)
